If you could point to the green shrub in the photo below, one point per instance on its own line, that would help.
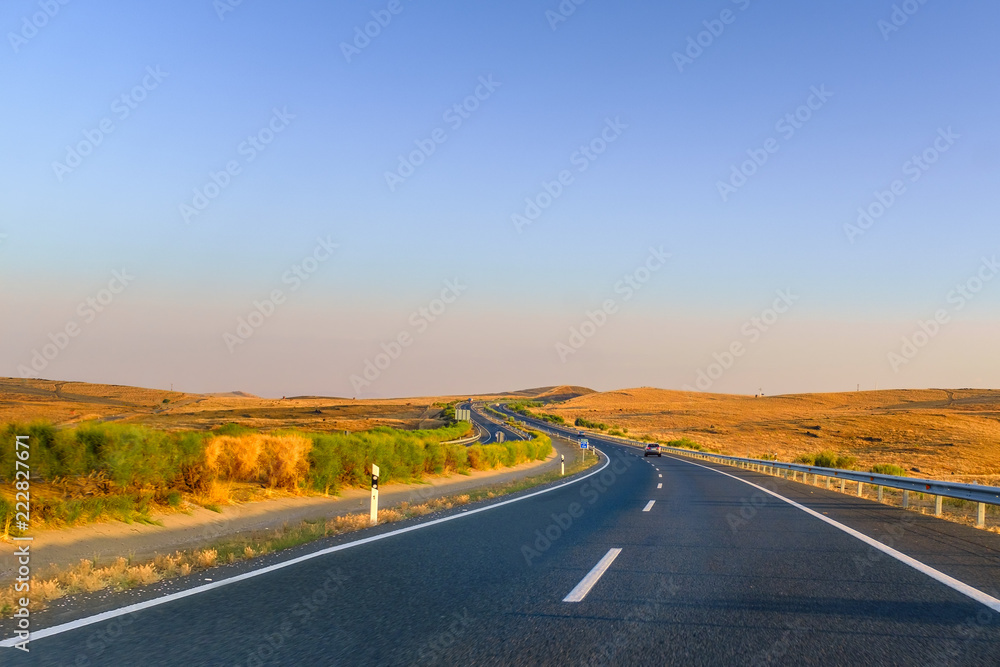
(135, 456)
(484, 457)
(325, 468)
(140, 460)
(42, 459)
(6, 515)
(232, 429)
(888, 469)
(586, 423)
(827, 459)
(456, 457)
(685, 443)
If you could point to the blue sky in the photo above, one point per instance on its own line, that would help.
(345, 121)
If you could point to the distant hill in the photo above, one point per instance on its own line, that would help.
(561, 392)
(69, 403)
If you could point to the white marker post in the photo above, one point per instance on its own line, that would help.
(374, 515)
(562, 465)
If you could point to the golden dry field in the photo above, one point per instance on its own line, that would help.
(937, 433)
(68, 403)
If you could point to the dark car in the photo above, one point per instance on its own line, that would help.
(652, 448)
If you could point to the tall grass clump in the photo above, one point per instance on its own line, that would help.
(888, 469)
(586, 423)
(510, 453)
(41, 438)
(234, 457)
(827, 459)
(685, 443)
(279, 461)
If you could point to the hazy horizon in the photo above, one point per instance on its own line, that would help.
(736, 197)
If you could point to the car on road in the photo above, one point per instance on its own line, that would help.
(652, 448)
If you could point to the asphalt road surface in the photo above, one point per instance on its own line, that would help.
(644, 561)
(490, 429)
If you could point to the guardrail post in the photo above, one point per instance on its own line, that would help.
(937, 505)
(981, 516)
(829, 481)
(906, 498)
(880, 495)
(843, 485)
(861, 489)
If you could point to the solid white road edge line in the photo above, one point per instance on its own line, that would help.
(582, 588)
(963, 588)
(139, 606)
(648, 506)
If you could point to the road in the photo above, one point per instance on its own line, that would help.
(490, 428)
(701, 569)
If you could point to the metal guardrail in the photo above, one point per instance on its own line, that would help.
(467, 440)
(981, 494)
(496, 421)
(974, 492)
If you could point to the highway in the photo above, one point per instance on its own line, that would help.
(641, 562)
(490, 428)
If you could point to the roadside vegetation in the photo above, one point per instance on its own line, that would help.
(524, 408)
(686, 443)
(447, 411)
(98, 472)
(586, 423)
(123, 574)
(827, 459)
(888, 469)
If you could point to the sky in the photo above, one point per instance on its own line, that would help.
(402, 198)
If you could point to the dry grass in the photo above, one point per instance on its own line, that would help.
(234, 457)
(280, 461)
(87, 577)
(207, 558)
(215, 495)
(951, 434)
(284, 460)
(66, 403)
